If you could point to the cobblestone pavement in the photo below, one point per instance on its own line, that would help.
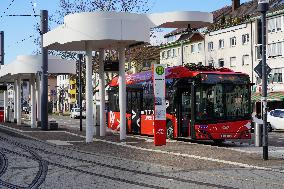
(276, 139)
(135, 163)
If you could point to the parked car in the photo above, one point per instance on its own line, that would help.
(26, 109)
(276, 118)
(75, 113)
(257, 119)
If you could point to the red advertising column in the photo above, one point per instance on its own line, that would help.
(160, 133)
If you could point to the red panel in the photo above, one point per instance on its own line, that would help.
(228, 130)
(114, 121)
(160, 132)
(1, 116)
(147, 125)
(175, 125)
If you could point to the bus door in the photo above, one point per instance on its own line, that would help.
(184, 111)
(135, 100)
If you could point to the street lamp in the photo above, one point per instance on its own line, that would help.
(263, 6)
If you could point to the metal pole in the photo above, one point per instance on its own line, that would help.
(5, 106)
(2, 47)
(181, 51)
(263, 8)
(19, 102)
(80, 57)
(15, 100)
(122, 93)
(102, 93)
(44, 80)
(52, 101)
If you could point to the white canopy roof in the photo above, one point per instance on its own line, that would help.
(111, 29)
(25, 65)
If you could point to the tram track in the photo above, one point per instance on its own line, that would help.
(3, 163)
(40, 176)
(106, 166)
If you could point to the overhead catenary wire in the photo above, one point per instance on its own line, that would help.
(7, 8)
(18, 42)
(24, 15)
(33, 7)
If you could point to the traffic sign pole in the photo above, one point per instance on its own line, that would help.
(159, 85)
(263, 8)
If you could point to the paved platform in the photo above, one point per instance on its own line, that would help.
(182, 154)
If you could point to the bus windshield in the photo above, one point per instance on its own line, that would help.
(222, 102)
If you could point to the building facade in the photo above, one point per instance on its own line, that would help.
(73, 93)
(183, 47)
(238, 47)
(62, 93)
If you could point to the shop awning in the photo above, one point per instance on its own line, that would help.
(272, 96)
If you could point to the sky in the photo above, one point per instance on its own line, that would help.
(19, 29)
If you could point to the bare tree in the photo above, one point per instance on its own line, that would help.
(66, 7)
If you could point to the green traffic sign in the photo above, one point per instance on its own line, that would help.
(160, 70)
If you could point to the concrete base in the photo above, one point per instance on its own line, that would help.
(15, 120)
(38, 124)
(52, 125)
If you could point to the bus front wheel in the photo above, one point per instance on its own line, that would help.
(170, 130)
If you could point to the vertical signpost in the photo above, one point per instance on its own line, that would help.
(160, 105)
(44, 77)
(263, 6)
(1, 48)
(80, 57)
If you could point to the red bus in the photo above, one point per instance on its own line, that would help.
(203, 103)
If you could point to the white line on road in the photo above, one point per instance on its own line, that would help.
(166, 152)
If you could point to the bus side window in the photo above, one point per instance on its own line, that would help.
(113, 101)
(148, 97)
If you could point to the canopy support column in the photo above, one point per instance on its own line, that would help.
(15, 101)
(122, 93)
(102, 93)
(33, 101)
(5, 106)
(19, 104)
(89, 95)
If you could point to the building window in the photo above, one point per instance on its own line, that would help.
(163, 55)
(274, 24)
(169, 53)
(271, 25)
(185, 49)
(245, 39)
(274, 50)
(221, 62)
(210, 46)
(174, 53)
(221, 43)
(233, 61)
(146, 64)
(193, 48)
(211, 62)
(178, 51)
(233, 41)
(276, 76)
(199, 47)
(278, 23)
(246, 60)
(258, 52)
